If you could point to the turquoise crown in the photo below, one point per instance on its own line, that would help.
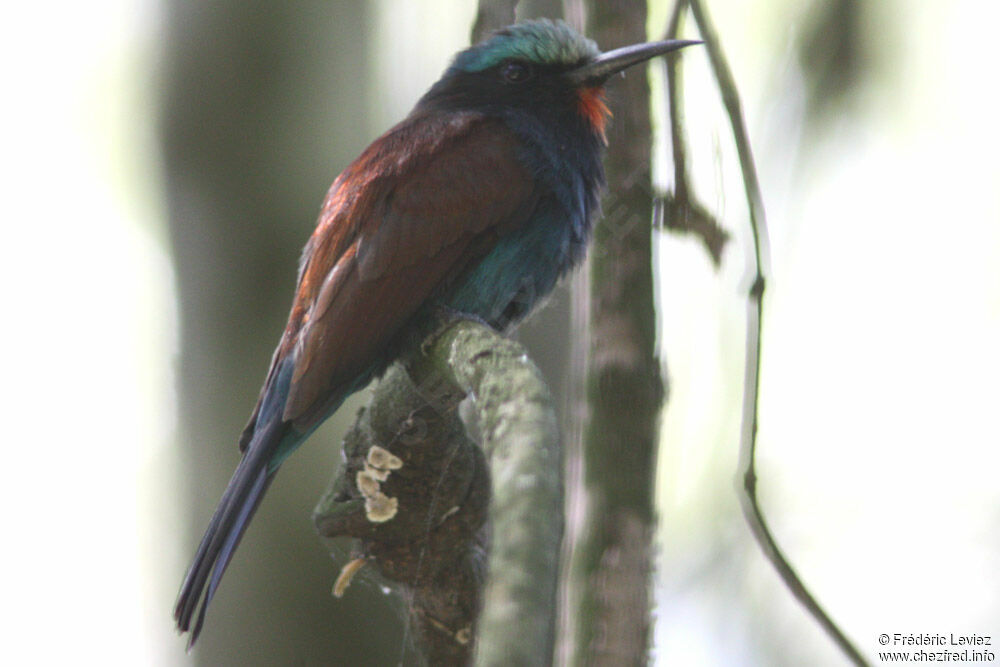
(540, 41)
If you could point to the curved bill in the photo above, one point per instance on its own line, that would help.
(600, 68)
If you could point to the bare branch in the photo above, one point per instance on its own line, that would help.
(755, 312)
(682, 212)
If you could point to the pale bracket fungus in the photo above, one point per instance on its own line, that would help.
(379, 462)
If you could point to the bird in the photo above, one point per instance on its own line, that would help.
(474, 205)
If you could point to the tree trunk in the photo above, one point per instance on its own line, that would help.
(612, 565)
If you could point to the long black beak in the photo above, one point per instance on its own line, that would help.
(597, 71)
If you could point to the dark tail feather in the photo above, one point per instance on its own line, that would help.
(230, 521)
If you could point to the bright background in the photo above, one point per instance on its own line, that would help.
(879, 454)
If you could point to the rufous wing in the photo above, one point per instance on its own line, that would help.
(418, 209)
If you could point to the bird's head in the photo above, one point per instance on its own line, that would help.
(540, 65)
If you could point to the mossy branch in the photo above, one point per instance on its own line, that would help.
(414, 491)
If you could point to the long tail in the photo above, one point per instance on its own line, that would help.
(230, 521)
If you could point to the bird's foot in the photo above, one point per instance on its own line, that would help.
(444, 316)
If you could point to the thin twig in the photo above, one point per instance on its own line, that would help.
(682, 212)
(675, 104)
(755, 312)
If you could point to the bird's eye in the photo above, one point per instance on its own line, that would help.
(516, 72)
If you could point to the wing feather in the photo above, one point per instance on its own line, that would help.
(417, 209)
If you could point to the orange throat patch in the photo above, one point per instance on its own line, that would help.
(594, 109)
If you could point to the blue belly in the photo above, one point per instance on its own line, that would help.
(522, 268)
